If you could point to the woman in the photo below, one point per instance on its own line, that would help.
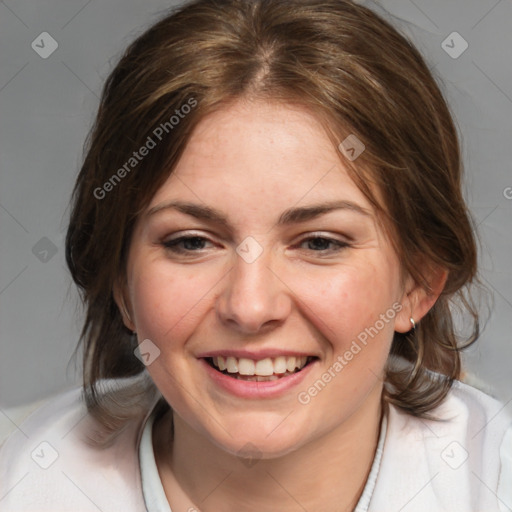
(270, 238)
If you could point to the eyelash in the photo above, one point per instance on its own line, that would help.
(173, 245)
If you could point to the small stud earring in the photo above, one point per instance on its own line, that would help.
(413, 323)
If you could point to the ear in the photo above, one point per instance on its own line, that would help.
(123, 305)
(418, 299)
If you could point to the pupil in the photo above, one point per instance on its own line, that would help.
(193, 242)
(319, 243)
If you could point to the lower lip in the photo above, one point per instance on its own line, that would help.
(254, 389)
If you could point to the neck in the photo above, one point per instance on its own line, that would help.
(327, 474)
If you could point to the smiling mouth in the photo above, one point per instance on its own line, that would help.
(262, 370)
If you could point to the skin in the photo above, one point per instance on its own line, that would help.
(253, 160)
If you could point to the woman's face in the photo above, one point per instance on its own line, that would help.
(260, 254)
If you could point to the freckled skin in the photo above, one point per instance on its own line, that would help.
(252, 161)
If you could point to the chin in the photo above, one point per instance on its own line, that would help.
(252, 450)
(259, 441)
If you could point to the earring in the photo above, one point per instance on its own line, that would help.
(413, 323)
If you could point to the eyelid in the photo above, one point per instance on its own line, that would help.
(178, 235)
(342, 239)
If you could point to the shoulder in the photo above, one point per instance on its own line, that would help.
(51, 463)
(465, 412)
(458, 462)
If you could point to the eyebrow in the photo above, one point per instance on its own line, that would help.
(294, 215)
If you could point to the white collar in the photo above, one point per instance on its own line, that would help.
(154, 494)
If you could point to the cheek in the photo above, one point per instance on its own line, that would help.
(167, 303)
(347, 304)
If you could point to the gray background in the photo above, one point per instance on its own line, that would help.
(47, 106)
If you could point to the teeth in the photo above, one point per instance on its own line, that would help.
(231, 364)
(280, 364)
(245, 366)
(262, 368)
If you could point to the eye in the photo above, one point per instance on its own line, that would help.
(323, 244)
(186, 244)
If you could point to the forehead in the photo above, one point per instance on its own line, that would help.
(260, 155)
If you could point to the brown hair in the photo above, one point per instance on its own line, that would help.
(359, 76)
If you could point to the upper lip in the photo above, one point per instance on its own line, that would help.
(255, 355)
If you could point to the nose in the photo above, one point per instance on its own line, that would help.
(254, 298)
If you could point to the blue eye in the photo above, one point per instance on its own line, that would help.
(186, 244)
(323, 244)
(196, 244)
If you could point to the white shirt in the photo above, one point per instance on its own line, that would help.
(462, 464)
(154, 494)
